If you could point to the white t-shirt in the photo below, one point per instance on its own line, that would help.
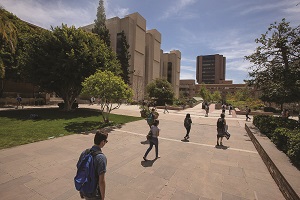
(155, 130)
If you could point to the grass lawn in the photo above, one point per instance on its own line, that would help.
(17, 128)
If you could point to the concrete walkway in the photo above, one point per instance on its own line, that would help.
(186, 170)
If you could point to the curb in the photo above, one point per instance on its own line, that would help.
(284, 186)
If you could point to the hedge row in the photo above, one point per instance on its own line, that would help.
(284, 133)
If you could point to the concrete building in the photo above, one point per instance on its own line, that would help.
(190, 89)
(147, 62)
(210, 69)
(171, 69)
(187, 88)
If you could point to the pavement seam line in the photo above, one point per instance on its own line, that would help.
(194, 143)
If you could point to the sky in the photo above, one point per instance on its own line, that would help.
(194, 27)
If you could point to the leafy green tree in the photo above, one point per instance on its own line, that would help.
(276, 69)
(110, 88)
(161, 90)
(60, 60)
(100, 27)
(10, 51)
(216, 96)
(8, 30)
(205, 93)
(123, 56)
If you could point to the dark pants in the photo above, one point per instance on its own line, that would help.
(247, 116)
(153, 141)
(188, 129)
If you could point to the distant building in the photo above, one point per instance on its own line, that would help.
(147, 62)
(190, 89)
(210, 69)
(187, 88)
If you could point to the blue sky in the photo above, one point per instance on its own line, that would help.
(195, 27)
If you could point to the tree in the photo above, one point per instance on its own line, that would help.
(123, 56)
(100, 27)
(161, 90)
(60, 60)
(276, 69)
(8, 34)
(216, 96)
(110, 88)
(204, 93)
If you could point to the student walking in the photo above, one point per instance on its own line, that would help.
(248, 110)
(221, 123)
(166, 108)
(99, 166)
(187, 125)
(153, 140)
(206, 110)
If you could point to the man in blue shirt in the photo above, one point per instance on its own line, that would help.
(100, 163)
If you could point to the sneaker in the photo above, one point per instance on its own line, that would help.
(221, 144)
(218, 144)
(157, 157)
(188, 137)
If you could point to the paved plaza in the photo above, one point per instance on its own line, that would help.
(187, 170)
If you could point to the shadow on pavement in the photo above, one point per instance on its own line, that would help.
(145, 142)
(148, 163)
(222, 147)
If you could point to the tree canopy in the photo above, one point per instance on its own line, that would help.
(276, 67)
(60, 60)
(205, 93)
(123, 56)
(161, 90)
(109, 88)
(100, 28)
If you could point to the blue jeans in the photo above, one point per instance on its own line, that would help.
(153, 141)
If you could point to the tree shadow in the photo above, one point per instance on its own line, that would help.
(48, 113)
(78, 127)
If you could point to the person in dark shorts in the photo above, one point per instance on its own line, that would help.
(221, 123)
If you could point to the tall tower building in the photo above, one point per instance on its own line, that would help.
(171, 69)
(210, 69)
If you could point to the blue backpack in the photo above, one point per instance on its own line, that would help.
(150, 119)
(86, 180)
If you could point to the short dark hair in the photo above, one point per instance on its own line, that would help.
(99, 137)
(222, 115)
(156, 122)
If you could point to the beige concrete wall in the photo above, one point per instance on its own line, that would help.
(146, 62)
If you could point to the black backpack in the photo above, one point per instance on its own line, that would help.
(220, 123)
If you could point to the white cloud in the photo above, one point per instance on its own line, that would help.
(54, 13)
(177, 7)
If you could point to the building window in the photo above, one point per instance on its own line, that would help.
(169, 75)
(119, 44)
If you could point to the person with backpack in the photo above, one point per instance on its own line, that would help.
(187, 125)
(206, 110)
(153, 140)
(221, 123)
(91, 169)
(248, 110)
(151, 117)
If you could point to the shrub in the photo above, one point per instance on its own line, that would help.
(294, 147)
(280, 138)
(267, 124)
